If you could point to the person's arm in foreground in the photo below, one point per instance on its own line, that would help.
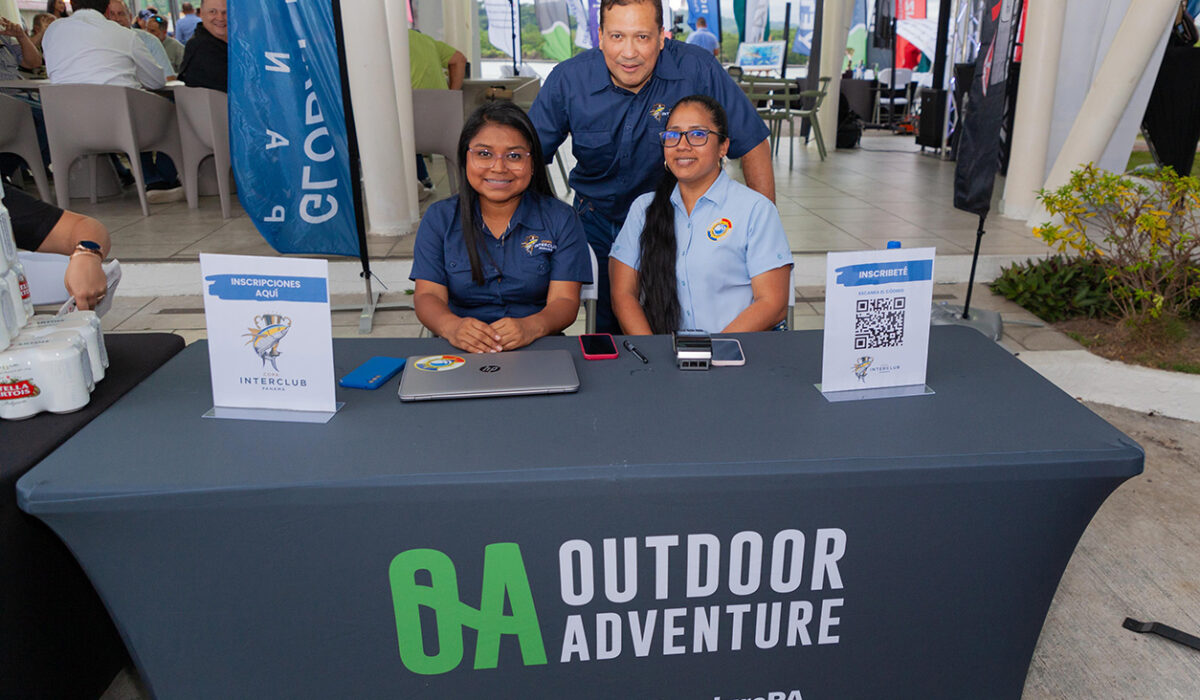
(756, 166)
(623, 286)
(561, 310)
(84, 279)
(769, 306)
(432, 304)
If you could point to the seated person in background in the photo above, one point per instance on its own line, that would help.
(186, 25)
(702, 251)
(501, 264)
(58, 8)
(156, 26)
(17, 51)
(206, 56)
(40, 22)
(117, 11)
(86, 48)
(45, 228)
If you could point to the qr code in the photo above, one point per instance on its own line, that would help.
(879, 323)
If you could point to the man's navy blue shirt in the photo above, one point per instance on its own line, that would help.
(614, 132)
(544, 242)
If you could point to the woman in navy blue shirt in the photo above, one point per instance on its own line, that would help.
(501, 264)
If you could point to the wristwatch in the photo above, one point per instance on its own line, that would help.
(88, 247)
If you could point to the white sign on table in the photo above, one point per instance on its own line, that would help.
(877, 323)
(270, 337)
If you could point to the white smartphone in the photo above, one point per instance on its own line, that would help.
(727, 352)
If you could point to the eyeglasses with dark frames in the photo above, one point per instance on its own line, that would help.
(695, 137)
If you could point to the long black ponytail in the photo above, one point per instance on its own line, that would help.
(656, 273)
(657, 248)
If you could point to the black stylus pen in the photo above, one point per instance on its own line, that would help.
(638, 355)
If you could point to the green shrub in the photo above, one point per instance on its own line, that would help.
(1058, 288)
(1143, 228)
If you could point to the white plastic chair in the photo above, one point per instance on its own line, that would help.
(204, 131)
(589, 294)
(437, 122)
(83, 120)
(19, 135)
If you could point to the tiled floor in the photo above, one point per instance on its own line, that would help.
(854, 200)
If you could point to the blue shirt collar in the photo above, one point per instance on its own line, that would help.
(716, 193)
(527, 215)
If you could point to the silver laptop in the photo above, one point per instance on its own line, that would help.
(465, 375)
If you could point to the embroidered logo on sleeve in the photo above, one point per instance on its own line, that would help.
(719, 228)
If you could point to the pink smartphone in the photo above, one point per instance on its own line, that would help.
(598, 346)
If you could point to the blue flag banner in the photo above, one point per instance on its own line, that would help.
(885, 273)
(710, 10)
(806, 20)
(257, 287)
(287, 126)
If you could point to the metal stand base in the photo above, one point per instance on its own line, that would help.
(273, 415)
(887, 392)
(986, 322)
(366, 316)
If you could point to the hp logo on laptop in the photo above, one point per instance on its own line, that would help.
(490, 368)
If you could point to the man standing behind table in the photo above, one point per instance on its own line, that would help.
(613, 101)
(704, 38)
(206, 56)
(187, 23)
(89, 49)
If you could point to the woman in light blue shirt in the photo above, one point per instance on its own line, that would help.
(702, 252)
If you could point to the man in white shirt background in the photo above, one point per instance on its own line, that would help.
(87, 48)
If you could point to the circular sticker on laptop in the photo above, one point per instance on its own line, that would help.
(439, 363)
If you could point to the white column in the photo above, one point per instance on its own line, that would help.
(379, 39)
(430, 18)
(460, 24)
(1035, 107)
(835, 29)
(1130, 54)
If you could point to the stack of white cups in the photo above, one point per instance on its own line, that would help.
(49, 364)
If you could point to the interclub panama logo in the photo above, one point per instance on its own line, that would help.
(659, 111)
(268, 330)
(719, 228)
(529, 243)
(488, 369)
(439, 363)
(17, 389)
(861, 367)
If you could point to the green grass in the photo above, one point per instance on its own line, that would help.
(1188, 367)
(1138, 158)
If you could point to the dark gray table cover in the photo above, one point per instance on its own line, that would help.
(249, 559)
(56, 638)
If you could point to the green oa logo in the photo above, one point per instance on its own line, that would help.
(503, 577)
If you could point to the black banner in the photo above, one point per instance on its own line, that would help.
(983, 113)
